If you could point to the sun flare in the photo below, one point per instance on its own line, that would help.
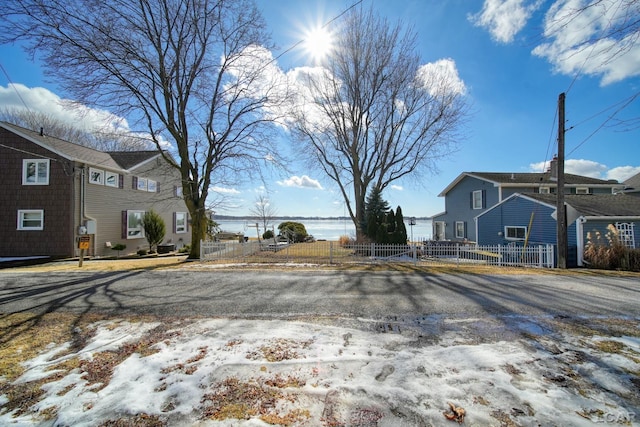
(318, 43)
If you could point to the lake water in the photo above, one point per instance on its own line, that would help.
(326, 229)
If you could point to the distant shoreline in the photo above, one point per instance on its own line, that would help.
(296, 218)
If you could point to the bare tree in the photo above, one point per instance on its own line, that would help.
(264, 211)
(178, 68)
(99, 139)
(374, 115)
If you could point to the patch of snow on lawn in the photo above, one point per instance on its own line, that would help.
(333, 374)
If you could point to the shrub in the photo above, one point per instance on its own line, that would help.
(267, 234)
(154, 228)
(118, 247)
(345, 241)
(609, 252)
(293, 231)
(142, 252)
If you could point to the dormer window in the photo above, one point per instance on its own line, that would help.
(545, 190)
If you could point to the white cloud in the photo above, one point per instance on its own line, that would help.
(590, 168)
(580, 41)
(504, 18)
(17, 96)
(39, 99)
(442, 77)
(397, 187)
(622, 173)
(301, 182)
(223, 190)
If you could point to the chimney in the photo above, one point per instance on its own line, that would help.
(553, 168)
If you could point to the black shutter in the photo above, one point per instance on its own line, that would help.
(124, 224)
(484, 199)
(134, 182)
(120, 181)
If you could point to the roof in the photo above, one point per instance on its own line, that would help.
(129, 159)
(596, 204)
(514, 179)
(633, 183)
(117, 160)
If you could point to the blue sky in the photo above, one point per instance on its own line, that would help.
(512, 72)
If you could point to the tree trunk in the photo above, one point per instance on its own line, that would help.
(199, 224)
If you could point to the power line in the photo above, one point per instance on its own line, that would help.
(13, 86)
(623, 105)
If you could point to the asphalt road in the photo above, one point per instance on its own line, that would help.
(308, 293)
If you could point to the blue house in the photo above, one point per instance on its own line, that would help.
(472, 193)
(530, 219)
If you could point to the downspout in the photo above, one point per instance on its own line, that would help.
(580, 239)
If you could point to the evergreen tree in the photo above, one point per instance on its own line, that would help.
(400, 232)
(154, 228)
(376, 209)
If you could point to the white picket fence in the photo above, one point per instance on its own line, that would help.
(329, 252)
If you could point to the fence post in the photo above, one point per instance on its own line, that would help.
(457, 255)
(540, 256)
(499, 255)
(201, 249)
(330, 253)
(373, 250)
(415, 254)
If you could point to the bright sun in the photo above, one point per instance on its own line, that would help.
(318, 43)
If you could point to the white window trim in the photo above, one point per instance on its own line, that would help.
(114, 177)
(183, 228)
(96, 176)
(152, 186)
(25, 165)
(21, 219)
(474, 199)
(139, 230)
(545, 190)
(142, 184)
(515, 227)
(456, 230)
(582, 190)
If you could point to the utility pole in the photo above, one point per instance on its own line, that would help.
(561, 214)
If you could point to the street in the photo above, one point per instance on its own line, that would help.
(290, 293)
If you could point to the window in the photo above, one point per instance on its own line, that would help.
(134, 225)
(460, 230)
(142, 184)
(111, 179)
(515, 232)
(32, 219)
(545, 190)
(582, 190)
(477, 199)
(35, 172)
(152, 186)
(181, 222)
(96, 176)
(625, 233)
(177, 191)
